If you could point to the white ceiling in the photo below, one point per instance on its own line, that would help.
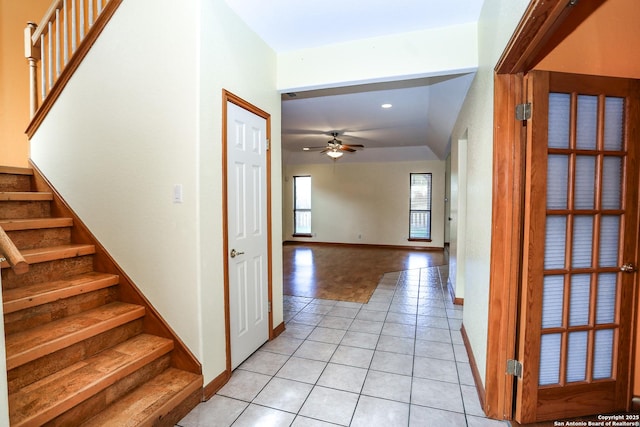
(424, 110)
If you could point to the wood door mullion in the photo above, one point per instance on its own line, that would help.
(591, 332)
(566, 310)
(565, 316)
(597, 223)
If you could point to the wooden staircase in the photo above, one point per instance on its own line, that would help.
(83, 346)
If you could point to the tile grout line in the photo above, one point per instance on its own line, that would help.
(403, 280)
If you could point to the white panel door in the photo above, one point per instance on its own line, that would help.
(247, 232)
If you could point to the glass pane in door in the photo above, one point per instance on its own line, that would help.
(603, 354)
(558, 177)
(586, 129)
(577, 356)
(559, 122)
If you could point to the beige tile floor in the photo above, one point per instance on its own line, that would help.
(398, 360)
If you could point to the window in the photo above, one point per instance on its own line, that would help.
(420, 206)
(302, 206)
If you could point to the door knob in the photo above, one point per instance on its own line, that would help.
(628, 268)
(234, 253)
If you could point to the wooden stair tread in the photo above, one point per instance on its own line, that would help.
(26, 346)
(42, 293)
(25, 196)
(44, 400)
(51, 253)
(14, 170)
(35, 223)
(149, 402)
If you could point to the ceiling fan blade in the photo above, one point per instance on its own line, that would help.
(303, 132)
(345, 148)
(325, 150)
(353, 145)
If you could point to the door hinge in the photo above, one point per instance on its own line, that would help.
(514, 368)
(268, 144)
(269, 304)
(523, 111)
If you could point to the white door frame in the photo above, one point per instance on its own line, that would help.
(230, 97)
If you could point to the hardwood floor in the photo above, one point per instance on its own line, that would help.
(344, 272)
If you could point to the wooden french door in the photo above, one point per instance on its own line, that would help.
(580, 246)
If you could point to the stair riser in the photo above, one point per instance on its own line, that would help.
(25, 209)
(23, 349)
(101, 400)
(181, 410)
(35, 316)
(47, 365)
(42, 238)
(26, 297)
(47, 271)
(162, 401)
(9, 182)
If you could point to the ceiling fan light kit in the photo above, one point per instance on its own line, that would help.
(335, 154)
(335, 148)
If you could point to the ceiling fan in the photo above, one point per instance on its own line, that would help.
(335, 147)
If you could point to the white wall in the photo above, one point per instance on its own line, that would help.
(231, 56)
(118, 138)
(447, 195)
(396, 57)
(364, 203)
(142, 113)
(458, 216)
(498, 20)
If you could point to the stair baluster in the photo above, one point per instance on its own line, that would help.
(56, 46)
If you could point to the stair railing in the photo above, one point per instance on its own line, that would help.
(55, 47)
(11, 254)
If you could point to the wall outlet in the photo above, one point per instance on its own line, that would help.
(177, 193)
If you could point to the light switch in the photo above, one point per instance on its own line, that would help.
(177, 193)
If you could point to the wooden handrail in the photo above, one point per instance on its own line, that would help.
(50, 16)
(13, 256)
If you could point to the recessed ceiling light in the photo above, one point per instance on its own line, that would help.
(305, 149)
(386, 105)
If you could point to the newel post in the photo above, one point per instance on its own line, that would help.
(33, 55)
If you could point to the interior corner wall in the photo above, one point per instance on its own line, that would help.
(364, 203)
(14, 78)
(230, 57)
(498, 20)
